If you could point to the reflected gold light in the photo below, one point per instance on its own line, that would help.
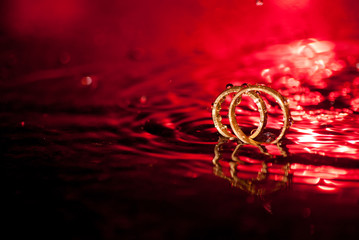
(260, 185)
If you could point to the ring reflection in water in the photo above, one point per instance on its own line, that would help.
(240, 172)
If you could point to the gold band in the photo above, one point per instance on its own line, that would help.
(283, 103)
(217, 119)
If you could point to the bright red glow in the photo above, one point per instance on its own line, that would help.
(259, 2)
(355, 104)
(291, 4)
(326, 188)
(331, 182)
(308, 61)
(326, 178)
(311, 181)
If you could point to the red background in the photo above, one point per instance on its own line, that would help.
(43, 33)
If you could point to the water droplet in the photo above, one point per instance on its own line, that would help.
(86, 81)
(269, 136)
(286, 100)
(229, 85)
(237, 102)
(244, 85)
(259, 2)
(291, 121)
(258, 92)
(143, 99)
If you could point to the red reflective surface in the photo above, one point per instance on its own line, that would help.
(106, 127)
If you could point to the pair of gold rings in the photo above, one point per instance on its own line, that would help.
(253, 92)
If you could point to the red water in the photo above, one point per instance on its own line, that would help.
(108, 160)
(106, 129)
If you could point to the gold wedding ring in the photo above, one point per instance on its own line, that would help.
(217, 119)
(252, 91)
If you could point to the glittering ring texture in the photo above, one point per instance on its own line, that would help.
(283, 103)
(217, 119)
